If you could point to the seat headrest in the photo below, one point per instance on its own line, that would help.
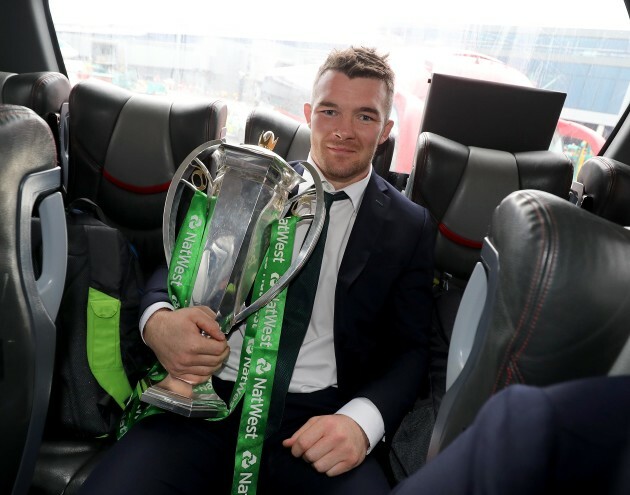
(462, 185)
(383, 156)
(606, 188)
(294, 138)
(27, 146)
(43, 92)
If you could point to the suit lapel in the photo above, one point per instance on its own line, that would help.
(366, 230)
(299, 168)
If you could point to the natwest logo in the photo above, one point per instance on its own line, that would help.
(195, 222)
(249, 460)
(262, 366)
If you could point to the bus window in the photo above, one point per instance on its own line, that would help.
(250, 56)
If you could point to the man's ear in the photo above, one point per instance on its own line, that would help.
(386, 130)
(307, 113)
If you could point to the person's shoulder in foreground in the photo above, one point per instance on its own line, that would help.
(572, 437)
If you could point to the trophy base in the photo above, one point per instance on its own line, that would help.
(206, 406)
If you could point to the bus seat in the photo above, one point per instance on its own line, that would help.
(603, 188)
(294, 138)
(46, 93)
(30, 184)
(544, 318)
(42, 92)
(461, 186)
(294, 142)
(124, 150)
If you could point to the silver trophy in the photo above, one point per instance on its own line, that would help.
(250, 187)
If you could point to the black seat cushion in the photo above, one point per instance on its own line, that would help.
(63, 465)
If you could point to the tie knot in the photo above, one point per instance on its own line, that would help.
(329, 198)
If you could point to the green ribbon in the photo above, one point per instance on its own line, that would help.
(260, 346)
(266, 324)
(182, 271)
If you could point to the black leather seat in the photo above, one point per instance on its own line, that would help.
(46, 93)
(461, 186)
(553, 285)
(124, 150)
(30, 184)
(42, 92)
(294, 138)
(294, 142)
(603, 188)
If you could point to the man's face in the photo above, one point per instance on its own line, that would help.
(348, 121)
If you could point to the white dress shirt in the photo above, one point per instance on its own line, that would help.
(316, 368)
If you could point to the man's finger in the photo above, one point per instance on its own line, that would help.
(306, 437)
(321, 455)
(207, 325)
(290, 441)
(327, 462)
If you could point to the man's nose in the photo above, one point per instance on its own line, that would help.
(345, 129)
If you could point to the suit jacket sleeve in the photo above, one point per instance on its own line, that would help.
(155, 289)
(383, 313)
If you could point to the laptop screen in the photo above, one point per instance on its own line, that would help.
(491, 115)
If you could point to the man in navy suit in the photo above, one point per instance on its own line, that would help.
(364, 356)
(568, 438)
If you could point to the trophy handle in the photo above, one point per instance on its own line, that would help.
(305, 252)
(174, 194)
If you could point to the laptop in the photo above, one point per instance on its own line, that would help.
(492, 115)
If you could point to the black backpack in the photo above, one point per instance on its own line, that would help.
(100, 355)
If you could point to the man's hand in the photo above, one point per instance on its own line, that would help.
(333, 444)
(175, 337)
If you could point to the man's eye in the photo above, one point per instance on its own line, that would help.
(365, 118)
(329, 112)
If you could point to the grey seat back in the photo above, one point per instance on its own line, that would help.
(124, 150)
(462, 185)
(30, 183)
(540, 323)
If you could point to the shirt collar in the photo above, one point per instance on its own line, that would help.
(355, 191)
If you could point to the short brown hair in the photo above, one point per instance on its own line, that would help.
(361, 62)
